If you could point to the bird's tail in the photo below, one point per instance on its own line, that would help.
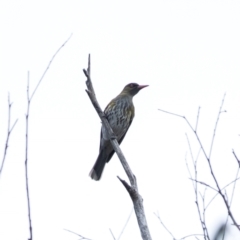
(99, 165)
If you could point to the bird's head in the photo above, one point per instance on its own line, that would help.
(133, 88)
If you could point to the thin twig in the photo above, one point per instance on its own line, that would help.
(215, 128)
(26, 163)
(208, 157)
(238, 161)
(205, 184)
(29, 99)
(191, 235)
(198, 115)
(222, 190)
(125, 224)
(81, 237)
(112, 234)
(234, 186)
(182, 238)
(204, 213)
(48, 66)
(195, 187)
(158, 216)
(9, 130)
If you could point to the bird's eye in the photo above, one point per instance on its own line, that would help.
(132, 85)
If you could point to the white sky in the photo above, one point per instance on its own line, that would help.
(189, 54)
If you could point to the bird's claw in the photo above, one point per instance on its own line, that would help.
(113, 136)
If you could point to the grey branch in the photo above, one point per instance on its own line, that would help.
(81, 237)
(9, 130)
(29, 99)
(208, 157)
(133, 189)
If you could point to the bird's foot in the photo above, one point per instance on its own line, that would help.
(113, 136)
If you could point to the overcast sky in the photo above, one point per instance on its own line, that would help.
(188, 52)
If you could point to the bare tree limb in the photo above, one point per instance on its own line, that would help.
(133, 189)
(29, 100)
(195, 187)
(208, 157)
(81, 237)
(9, 130)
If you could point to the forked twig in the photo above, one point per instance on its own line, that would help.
(182, 238)
(195, 186)
(208, 157)
(205, 184)
(160, 220)
(29, 99)
(9, 131)
(235, 180)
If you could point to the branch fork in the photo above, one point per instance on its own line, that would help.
(132, 188)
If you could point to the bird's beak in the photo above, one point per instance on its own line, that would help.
(142, 86)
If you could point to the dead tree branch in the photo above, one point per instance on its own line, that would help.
(195, 185)
(132, 189)
(29, 100)
(208, 157)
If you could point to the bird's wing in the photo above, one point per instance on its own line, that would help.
(119, 141)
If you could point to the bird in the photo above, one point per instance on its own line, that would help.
(119, 113)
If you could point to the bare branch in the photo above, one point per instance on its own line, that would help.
(133, 189)
(198, 115)
(205, 184)
(191, 235)
(195, 187)
(9, 130)
(81, 237)
(234, 186)
(26, 162)
(238, 161)
(112, 234)
(158, 216)
(208, 157)
(125, 225)
(29, 99)
(48, 66)
(215, 128)
(222, 190)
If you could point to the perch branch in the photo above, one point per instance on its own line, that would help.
(137, 199)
